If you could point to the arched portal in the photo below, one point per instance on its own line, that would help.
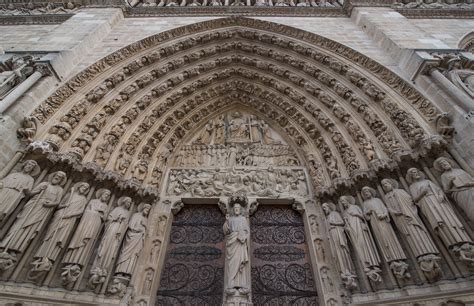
(228, 108)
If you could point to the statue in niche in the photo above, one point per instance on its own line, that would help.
(441, 216)
(461, 77)
(220, 130)
(80, 247)
(458, 184)
(207, 134)
(237, 231)
(238, 128)
(339, 245)
(361, 238)
(134, 241)
(255, 129)
(60, 227)
(15, 186)
(405, 215)
(115, 228)
(31, 220)
(379, 218)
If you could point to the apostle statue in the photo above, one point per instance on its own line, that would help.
(441, 217)
(15, 186)
(360, 237)
(237, 231)
(339, 245)
(458, 184)
(80, 247)
(134, 241)
(378, 216)
(115, 228)
(32, 219)
(405, 215)
(60, 228)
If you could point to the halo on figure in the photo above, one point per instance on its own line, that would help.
(409, 176)
(392, 182)
(142, 206)
(372, 191)
(101, 191)
(62, 174)
(36, 169)
(437, 163)
(121, 200)
(348, 198)
(331, 205)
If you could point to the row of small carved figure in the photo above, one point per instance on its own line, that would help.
(403, 207)
(435, 4)
(70, 217)
(173, 3)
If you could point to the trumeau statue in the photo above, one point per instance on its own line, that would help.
(441, 216)
(458, 184)
(237, 231)
(80, 247)
(379, 218)
(339, 245)
(60, 227)
(115, 228)
(405, 215)
(361, 238)
(134, 241)
(32, 219)
(15, 186)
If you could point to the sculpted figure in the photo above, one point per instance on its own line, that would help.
(15, 186)
(441, 217)
(462, 78)
(339, 245)
(31, 220)
(255, 129)
(220, 128)
(134, 241)
(405, 215)
(80, 247)
(458, 184)
(378, 216)
(237, 231)
(114, 229)
(361, 239)
(238, 129)
(206, 134)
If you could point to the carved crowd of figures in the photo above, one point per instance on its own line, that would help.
(368, 228)
(64, 228)
(197, 3)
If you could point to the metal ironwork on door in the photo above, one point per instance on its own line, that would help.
(281, 270)
(194, 266)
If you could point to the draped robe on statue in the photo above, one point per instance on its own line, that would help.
(338, 242)
(237, 257)
(405, 216)
(82, 242)
(60, 228)
(383, 231)
(439, 212)
(32, 218)
(134, 242)
(12, 191)
(460, 185)
(360, 236)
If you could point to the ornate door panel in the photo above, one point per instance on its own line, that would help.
(281, 271)
(194, 266)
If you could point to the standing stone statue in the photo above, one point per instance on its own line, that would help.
(32, 219)
(405, 215)
(339, 245)
(255, 129)
(237, 231)
(378, 216)
(441, 217)
(134, 241)
(207, 134)
(115, 228)
(361, 239)
(458, 184)
(80, 247)
(220, 130)
(15, 186)
(60, 228)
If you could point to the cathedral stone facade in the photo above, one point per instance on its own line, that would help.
(237, 152)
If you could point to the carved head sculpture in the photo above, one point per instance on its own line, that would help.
(82, 188)
(328, 207)
(144, 209)
(346, 201)
(443, 164)
(389, 184)
(31, 167)
(103, 195)
(237, 209)
(125, 202)
(414, 175)
(57, 178)
(368, 193)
